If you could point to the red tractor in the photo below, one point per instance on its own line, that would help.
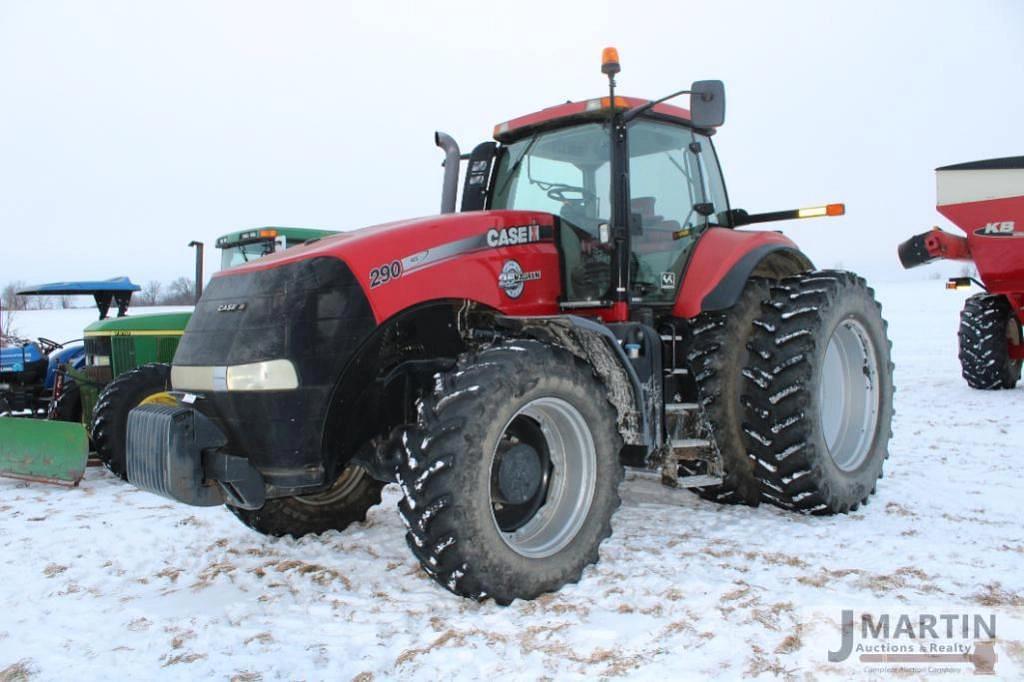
(592, 306)
(985, 199)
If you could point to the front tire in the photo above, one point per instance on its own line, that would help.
(110, 416)
(987, 329)
(68, 406)
(336, 508)
(818, 401)
(511, 475)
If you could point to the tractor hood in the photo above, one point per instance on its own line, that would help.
(173, 323)
(439, 257)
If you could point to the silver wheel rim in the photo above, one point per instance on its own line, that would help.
(849, 395)
(571, 485)
(342, 488)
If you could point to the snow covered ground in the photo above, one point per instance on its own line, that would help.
(105, 580)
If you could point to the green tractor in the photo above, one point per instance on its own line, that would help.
(127, 364)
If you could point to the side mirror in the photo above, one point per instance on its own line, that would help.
(707, 104)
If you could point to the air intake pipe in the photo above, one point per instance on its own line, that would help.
(451, 170)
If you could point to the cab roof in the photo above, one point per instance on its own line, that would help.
(590, 109)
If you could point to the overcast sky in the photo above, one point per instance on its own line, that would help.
(128, 129)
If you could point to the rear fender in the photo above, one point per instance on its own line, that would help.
(722, 262)
(635, 399)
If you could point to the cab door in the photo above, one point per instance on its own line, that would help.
(676, 191)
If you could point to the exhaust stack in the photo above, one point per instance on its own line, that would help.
(451, 170)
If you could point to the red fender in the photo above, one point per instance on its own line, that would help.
(720, 265)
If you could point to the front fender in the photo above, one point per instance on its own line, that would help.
(722, 262)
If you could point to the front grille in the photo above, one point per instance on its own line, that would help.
(165, 347)
(97, 345)
(122, 353)
(312, 312)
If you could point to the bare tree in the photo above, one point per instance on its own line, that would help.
(8, 332)
(10, 300)
(38, 302)
(150, 294)
(65, 302)
(181, 291)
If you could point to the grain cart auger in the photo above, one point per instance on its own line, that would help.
(592, 305)
(985, 199)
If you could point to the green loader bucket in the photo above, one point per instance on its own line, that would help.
(43, 450)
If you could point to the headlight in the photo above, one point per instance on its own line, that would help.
(269, 375)
(99, 360)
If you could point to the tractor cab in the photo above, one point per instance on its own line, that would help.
(248, 245)
(675, 191)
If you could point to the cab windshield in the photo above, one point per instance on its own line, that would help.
(675, 185)
(243, 253)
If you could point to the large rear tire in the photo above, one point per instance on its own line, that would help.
(818, 400)
(110, 416)
(987, 329)
(336, 508)
(511, 475)
(717, 358)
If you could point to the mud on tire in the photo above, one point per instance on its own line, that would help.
(717, 356)
(818, 397)
(109, 429)
(482, 518)
(336, 508)
(987, 327)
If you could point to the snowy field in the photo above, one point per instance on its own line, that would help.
(105, 580)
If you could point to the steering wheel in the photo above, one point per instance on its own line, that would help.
(558, 192)
(49, 345)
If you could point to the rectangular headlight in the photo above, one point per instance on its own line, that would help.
(271, 375)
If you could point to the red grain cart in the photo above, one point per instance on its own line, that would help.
(985, 199)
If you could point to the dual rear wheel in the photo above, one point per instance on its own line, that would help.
(796, 380)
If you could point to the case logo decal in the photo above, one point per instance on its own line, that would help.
(512, 278)
(512, 236)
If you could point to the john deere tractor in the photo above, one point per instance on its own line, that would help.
(594, 305)
(126, 362)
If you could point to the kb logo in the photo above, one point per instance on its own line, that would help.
(1007, 228)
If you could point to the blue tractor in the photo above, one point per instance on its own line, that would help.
(28, 374)
(33, 382)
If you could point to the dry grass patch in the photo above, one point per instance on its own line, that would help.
(54, 569)
(17, 672)
(993, 594)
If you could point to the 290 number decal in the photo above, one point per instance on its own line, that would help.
(385, 273)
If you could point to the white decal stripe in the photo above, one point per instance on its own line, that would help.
(433, 255)
(963, 186)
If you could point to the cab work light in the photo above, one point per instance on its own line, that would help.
(822, 211)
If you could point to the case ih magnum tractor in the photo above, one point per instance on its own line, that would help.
(592, 306)
(985, 199)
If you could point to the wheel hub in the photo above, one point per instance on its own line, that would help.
(543, 476)
(519, 474)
